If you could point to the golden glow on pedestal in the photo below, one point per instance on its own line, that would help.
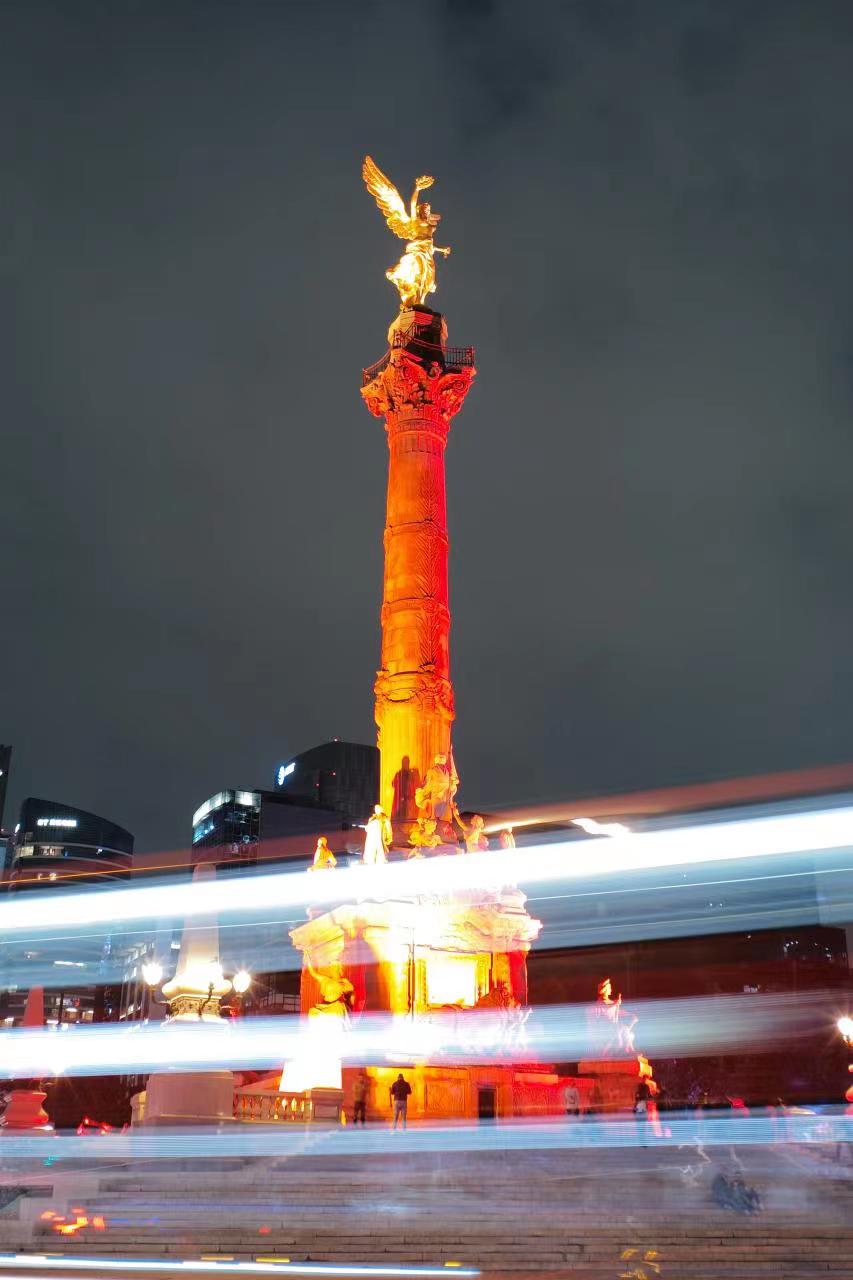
(453, 979)
(414, 955)
(318, 1066)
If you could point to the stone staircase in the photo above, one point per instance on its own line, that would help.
(567, 1212)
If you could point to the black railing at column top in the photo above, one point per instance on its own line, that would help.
(451, 358)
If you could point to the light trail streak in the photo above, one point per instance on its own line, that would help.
(289, 1141)
(683, 1027)
(189, 1266)
(815, 832)
(679, 903)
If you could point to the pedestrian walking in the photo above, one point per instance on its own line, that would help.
(571, 1100)
(359, 1097)
(643, 1102)
(400, 1091)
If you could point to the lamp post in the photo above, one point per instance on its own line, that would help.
(240, 984)
(152, 974)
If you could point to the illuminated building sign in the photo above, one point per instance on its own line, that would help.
(56, 822)
(284, 771)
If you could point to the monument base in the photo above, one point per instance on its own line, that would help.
(324, 1105)
(494, 1091)
(25, 1111)
(401, 852)
(189, 1098)
(615, 1082)
(265, 1103)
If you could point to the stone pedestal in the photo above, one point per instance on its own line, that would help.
(616, 1079)
(194, 993)
(25, 1111)
(183, 1098)
(324, 1105)
(413, 956)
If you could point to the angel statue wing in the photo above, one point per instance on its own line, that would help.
(387, 197)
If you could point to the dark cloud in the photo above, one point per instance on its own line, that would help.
(649, 486)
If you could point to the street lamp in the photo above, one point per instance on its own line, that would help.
(240, 984)
(845, 1026)
(152, 974)
(242, 980)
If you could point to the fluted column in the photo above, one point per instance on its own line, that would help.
(417, 390)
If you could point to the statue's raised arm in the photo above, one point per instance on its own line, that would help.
(414, 274)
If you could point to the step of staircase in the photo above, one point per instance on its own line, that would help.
(571, 1213)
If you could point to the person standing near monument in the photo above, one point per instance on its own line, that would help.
(359, 1097)
(400, 1091)
(571, 1100)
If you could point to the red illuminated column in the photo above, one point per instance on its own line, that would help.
(417, 388)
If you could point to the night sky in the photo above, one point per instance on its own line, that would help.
(650, 206)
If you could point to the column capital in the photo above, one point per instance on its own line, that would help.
(408, 387)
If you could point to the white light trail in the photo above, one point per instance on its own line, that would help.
(290, 1141)
(814, 831)
(557, 1033)
(594, 828)
(190, 1266)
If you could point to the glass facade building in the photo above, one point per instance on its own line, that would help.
(56, 842)
(341, 776)
(329, 790)
(58, 846)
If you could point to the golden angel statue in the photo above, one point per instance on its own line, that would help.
(414, 274)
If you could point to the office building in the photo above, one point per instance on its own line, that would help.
(56, 842)
(254, 828)
(329, 790)
(5, 766)
(341, 776)
(58, 846)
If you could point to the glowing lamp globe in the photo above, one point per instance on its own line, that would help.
(152, 973)
(241, 982)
